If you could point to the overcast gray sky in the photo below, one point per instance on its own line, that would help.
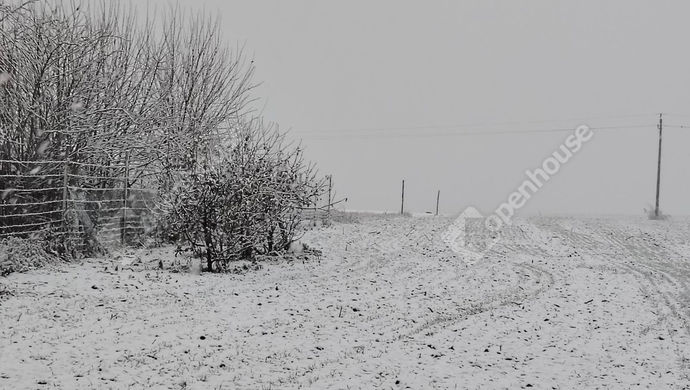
(349, 76)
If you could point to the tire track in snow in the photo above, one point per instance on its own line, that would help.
(662, 279)
(417, 248)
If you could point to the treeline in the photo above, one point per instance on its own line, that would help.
(90, 84)
(103, 86)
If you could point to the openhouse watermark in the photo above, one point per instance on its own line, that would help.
(472, 234)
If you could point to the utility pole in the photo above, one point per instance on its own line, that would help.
(438, 196)
(658, 167)
(402, 202)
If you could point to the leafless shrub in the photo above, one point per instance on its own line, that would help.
(250, 203)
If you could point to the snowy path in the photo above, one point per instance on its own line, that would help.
(558, 303)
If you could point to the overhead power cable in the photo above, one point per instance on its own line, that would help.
(298, 131)
(468, 133)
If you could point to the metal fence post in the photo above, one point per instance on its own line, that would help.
(123, 230)
(66, 231)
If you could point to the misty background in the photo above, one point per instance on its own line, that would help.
(453, 96)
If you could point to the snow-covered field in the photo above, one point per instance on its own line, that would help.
(558, 303)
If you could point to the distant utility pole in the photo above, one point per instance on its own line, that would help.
(402, 202)
(438, 196)
(658, 166)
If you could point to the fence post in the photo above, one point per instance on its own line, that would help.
(438, 195)
(64, 190)
(402, 201)
(330, 187)
(315, 216)
(123, 229)
(66, 228)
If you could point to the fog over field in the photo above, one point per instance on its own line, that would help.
(378, 92)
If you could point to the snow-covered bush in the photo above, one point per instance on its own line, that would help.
(250, 202)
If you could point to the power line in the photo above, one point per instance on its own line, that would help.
(458, 126)
(467, 133)
(680, 115)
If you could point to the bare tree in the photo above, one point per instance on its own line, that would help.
(92, 88)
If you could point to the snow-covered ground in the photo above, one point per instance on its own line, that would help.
(557, 303)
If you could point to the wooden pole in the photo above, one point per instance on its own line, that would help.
(402, 202)
(68, 219)
(658, 168)
(64, 189)
(438, 196)
(65, 195)
(123, 229)
(315, 215)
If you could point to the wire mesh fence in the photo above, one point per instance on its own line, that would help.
(80, 204)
